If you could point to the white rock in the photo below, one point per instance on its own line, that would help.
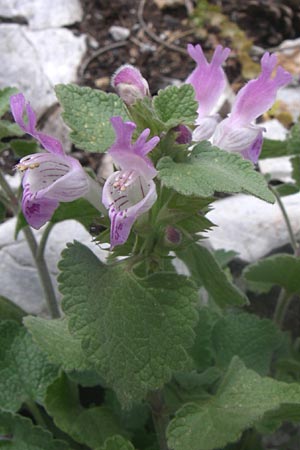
(42, 14)
(274, 130)
(279, 168)
(290, 96)
(19, 279)
(252, 227)
(119, 33)
(34, 61)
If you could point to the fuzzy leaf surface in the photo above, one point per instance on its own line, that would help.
(242, 399)
(25, 372)
(253, 340)
(19, 433)
(90, 426)
(116, 443)
(55, 340)
(282, 270)
(206, 271)
(87, 112)
(176, 105)
(10, 311)
(208, 169)
(134, 332)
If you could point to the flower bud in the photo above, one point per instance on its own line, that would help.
(129, 84)
(172, 235)
(184, 134)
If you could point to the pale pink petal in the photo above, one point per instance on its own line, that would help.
(127, 195)
(206, 127)
(208, 79)
(18, 106)
(258, 95)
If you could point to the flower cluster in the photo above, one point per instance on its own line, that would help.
(236, 133)
(54, 177)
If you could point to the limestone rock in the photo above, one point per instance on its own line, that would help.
(19, 278)
(42, 14)
(34, 61)
(251, 227)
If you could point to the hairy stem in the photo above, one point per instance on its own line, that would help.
(294, 243)
(36, 413)
(160, 418)
(284, 298)
(282, 305)
(38, 255)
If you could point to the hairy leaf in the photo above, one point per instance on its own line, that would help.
(116, 443)
(10, 311)
(253, 340)
(242, 399)
(87, 112)
(136, 332)
(4, 99)
(55, 340)
(176, 105)
(205, 271)
(90, 426)
(25, 372)
(282, 270)
(208, 169)
(19, 433)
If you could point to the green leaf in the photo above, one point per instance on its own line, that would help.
(224, 257)
(282, 270)
(253, 340)
(87, 112)
(176, 105)
(8, 129)
(90, 426)
(23, 147)
(135, 332)
(80, 210)
(202, 350)
(274, 419)
(295, 161)
(273, 148)
(208, 169)
(293, 143)
(287, 189)
(116, 443)
(18, 433)
(205, 271)
(144, 116)
(4, 99)
(54, 339)
(25, 372)
(242, 399)
(10, 311)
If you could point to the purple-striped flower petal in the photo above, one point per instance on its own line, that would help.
(208, 79)
(50, 179)
(18, 106)
(130, 84)
(127, 195)
(132, 156)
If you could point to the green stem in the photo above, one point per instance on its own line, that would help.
(37, 254)
(282, 305)
(36, 413)
(294, 243)
(41, 248)
(284, 298)
(160, 418)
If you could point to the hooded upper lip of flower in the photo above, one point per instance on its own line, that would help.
(130, 84)
(237, 132)
(131, 191)
(49, 177)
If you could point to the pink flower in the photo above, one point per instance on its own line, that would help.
(131, 191)
(237, 133)
(51, 177)
(208, 81)
(129, 84)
